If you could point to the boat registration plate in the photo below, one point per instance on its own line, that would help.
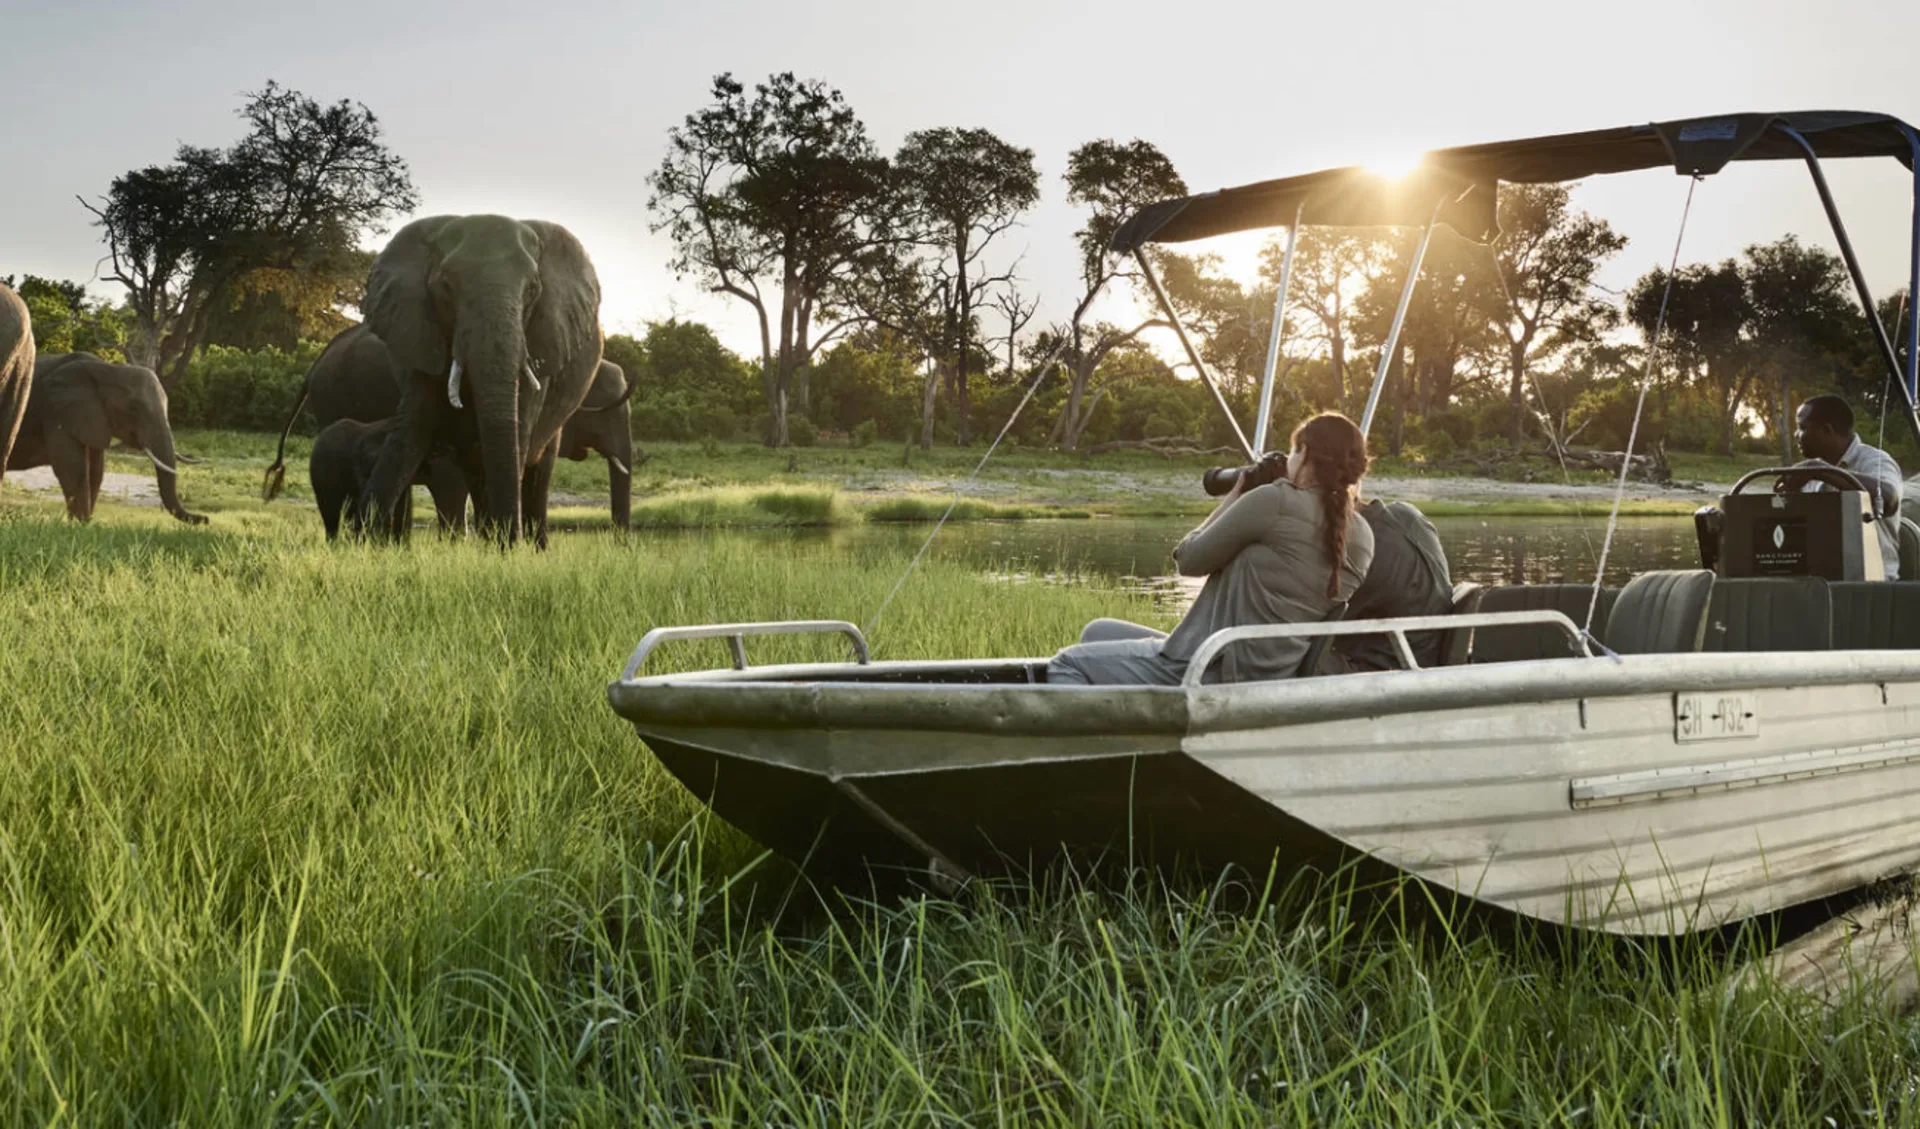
(1716, 715)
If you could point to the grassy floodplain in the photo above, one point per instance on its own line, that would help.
(300, 835)
(697, 485)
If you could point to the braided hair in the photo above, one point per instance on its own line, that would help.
(1337, 452)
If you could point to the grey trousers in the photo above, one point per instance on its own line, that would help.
(1113, 652)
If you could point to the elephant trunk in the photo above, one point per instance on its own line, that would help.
(493, 356)
(158, 443)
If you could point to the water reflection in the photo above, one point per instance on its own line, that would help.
(1135, 553)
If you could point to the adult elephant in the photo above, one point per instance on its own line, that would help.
(354, 378)
(16, 369)
(497, 320)
(79, 404)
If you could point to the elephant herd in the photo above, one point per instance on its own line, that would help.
(479, 364)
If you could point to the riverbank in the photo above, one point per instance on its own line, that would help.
(691, 485)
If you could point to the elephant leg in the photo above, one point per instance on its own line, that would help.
(534, 487)
(448, 485)
(390, 488)
(69, 458)
(334, 503)
(96, 475)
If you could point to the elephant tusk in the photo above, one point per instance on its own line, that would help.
(453, 385)
(618, 465)
(158, 465)
(532, 379)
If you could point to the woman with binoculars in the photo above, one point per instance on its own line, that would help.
(1280, 551)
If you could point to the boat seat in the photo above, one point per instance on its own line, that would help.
(1776, 613)
(1316, 655)
(1876, 615)
(1909, 549)
(1660, 612)
(1455, 643)
(1522, 644)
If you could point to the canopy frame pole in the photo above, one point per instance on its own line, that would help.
(1859, 278)
(1276, 334)
(1913, 275)
(1193, 354)
(1392, 346)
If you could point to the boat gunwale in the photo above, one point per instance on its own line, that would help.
(808, 694)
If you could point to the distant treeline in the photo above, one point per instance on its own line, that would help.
(889, 303)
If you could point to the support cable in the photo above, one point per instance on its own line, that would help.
(1545, 413)
(1046, 367)
(1633, 432)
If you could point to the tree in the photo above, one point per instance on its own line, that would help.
(686, 384)
(1802, 314)
(301, 188)
(965, 188)
(1707, 317)
(1449, 318)
(278, 308)
(1332, 267)
(1112, 179)
(779, 191)
(66, 320)
(1017, 309)
(1546, 256)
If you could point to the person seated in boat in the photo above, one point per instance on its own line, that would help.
(1408, 577)
(1283, 552)
(1825, 435)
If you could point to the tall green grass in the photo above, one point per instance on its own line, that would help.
(296, 835)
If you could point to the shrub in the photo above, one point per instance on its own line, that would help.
(1496, 421)
(1457, 424)
(801, 432)
(865, 432)
(243, 389)
(1436, 443)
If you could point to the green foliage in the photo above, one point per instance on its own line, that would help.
(1458, 424)
(295, 195)
(686, 384)
(249, 390)
(66, 320)
(801, 432)
(865, 432)
(1436, 442)
(871, 376)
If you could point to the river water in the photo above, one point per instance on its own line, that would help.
(1135, 553)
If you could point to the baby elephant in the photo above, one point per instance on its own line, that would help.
(341, 465)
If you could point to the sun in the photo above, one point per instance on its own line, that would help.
(1392, 162)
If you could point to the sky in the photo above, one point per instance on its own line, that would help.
(559, 109)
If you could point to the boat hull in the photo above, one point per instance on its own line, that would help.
(1561, 790)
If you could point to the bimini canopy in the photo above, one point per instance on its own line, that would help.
(1467, 177)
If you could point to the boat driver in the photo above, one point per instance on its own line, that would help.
(1282, 552)
(1826, 435)
(1408, 577)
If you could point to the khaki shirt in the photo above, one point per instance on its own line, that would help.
(1265, 560)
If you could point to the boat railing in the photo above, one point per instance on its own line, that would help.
(1396, 629)
(735, 634)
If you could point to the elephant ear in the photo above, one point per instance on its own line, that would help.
(566, 317)
(75, 402)
(399, 304)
